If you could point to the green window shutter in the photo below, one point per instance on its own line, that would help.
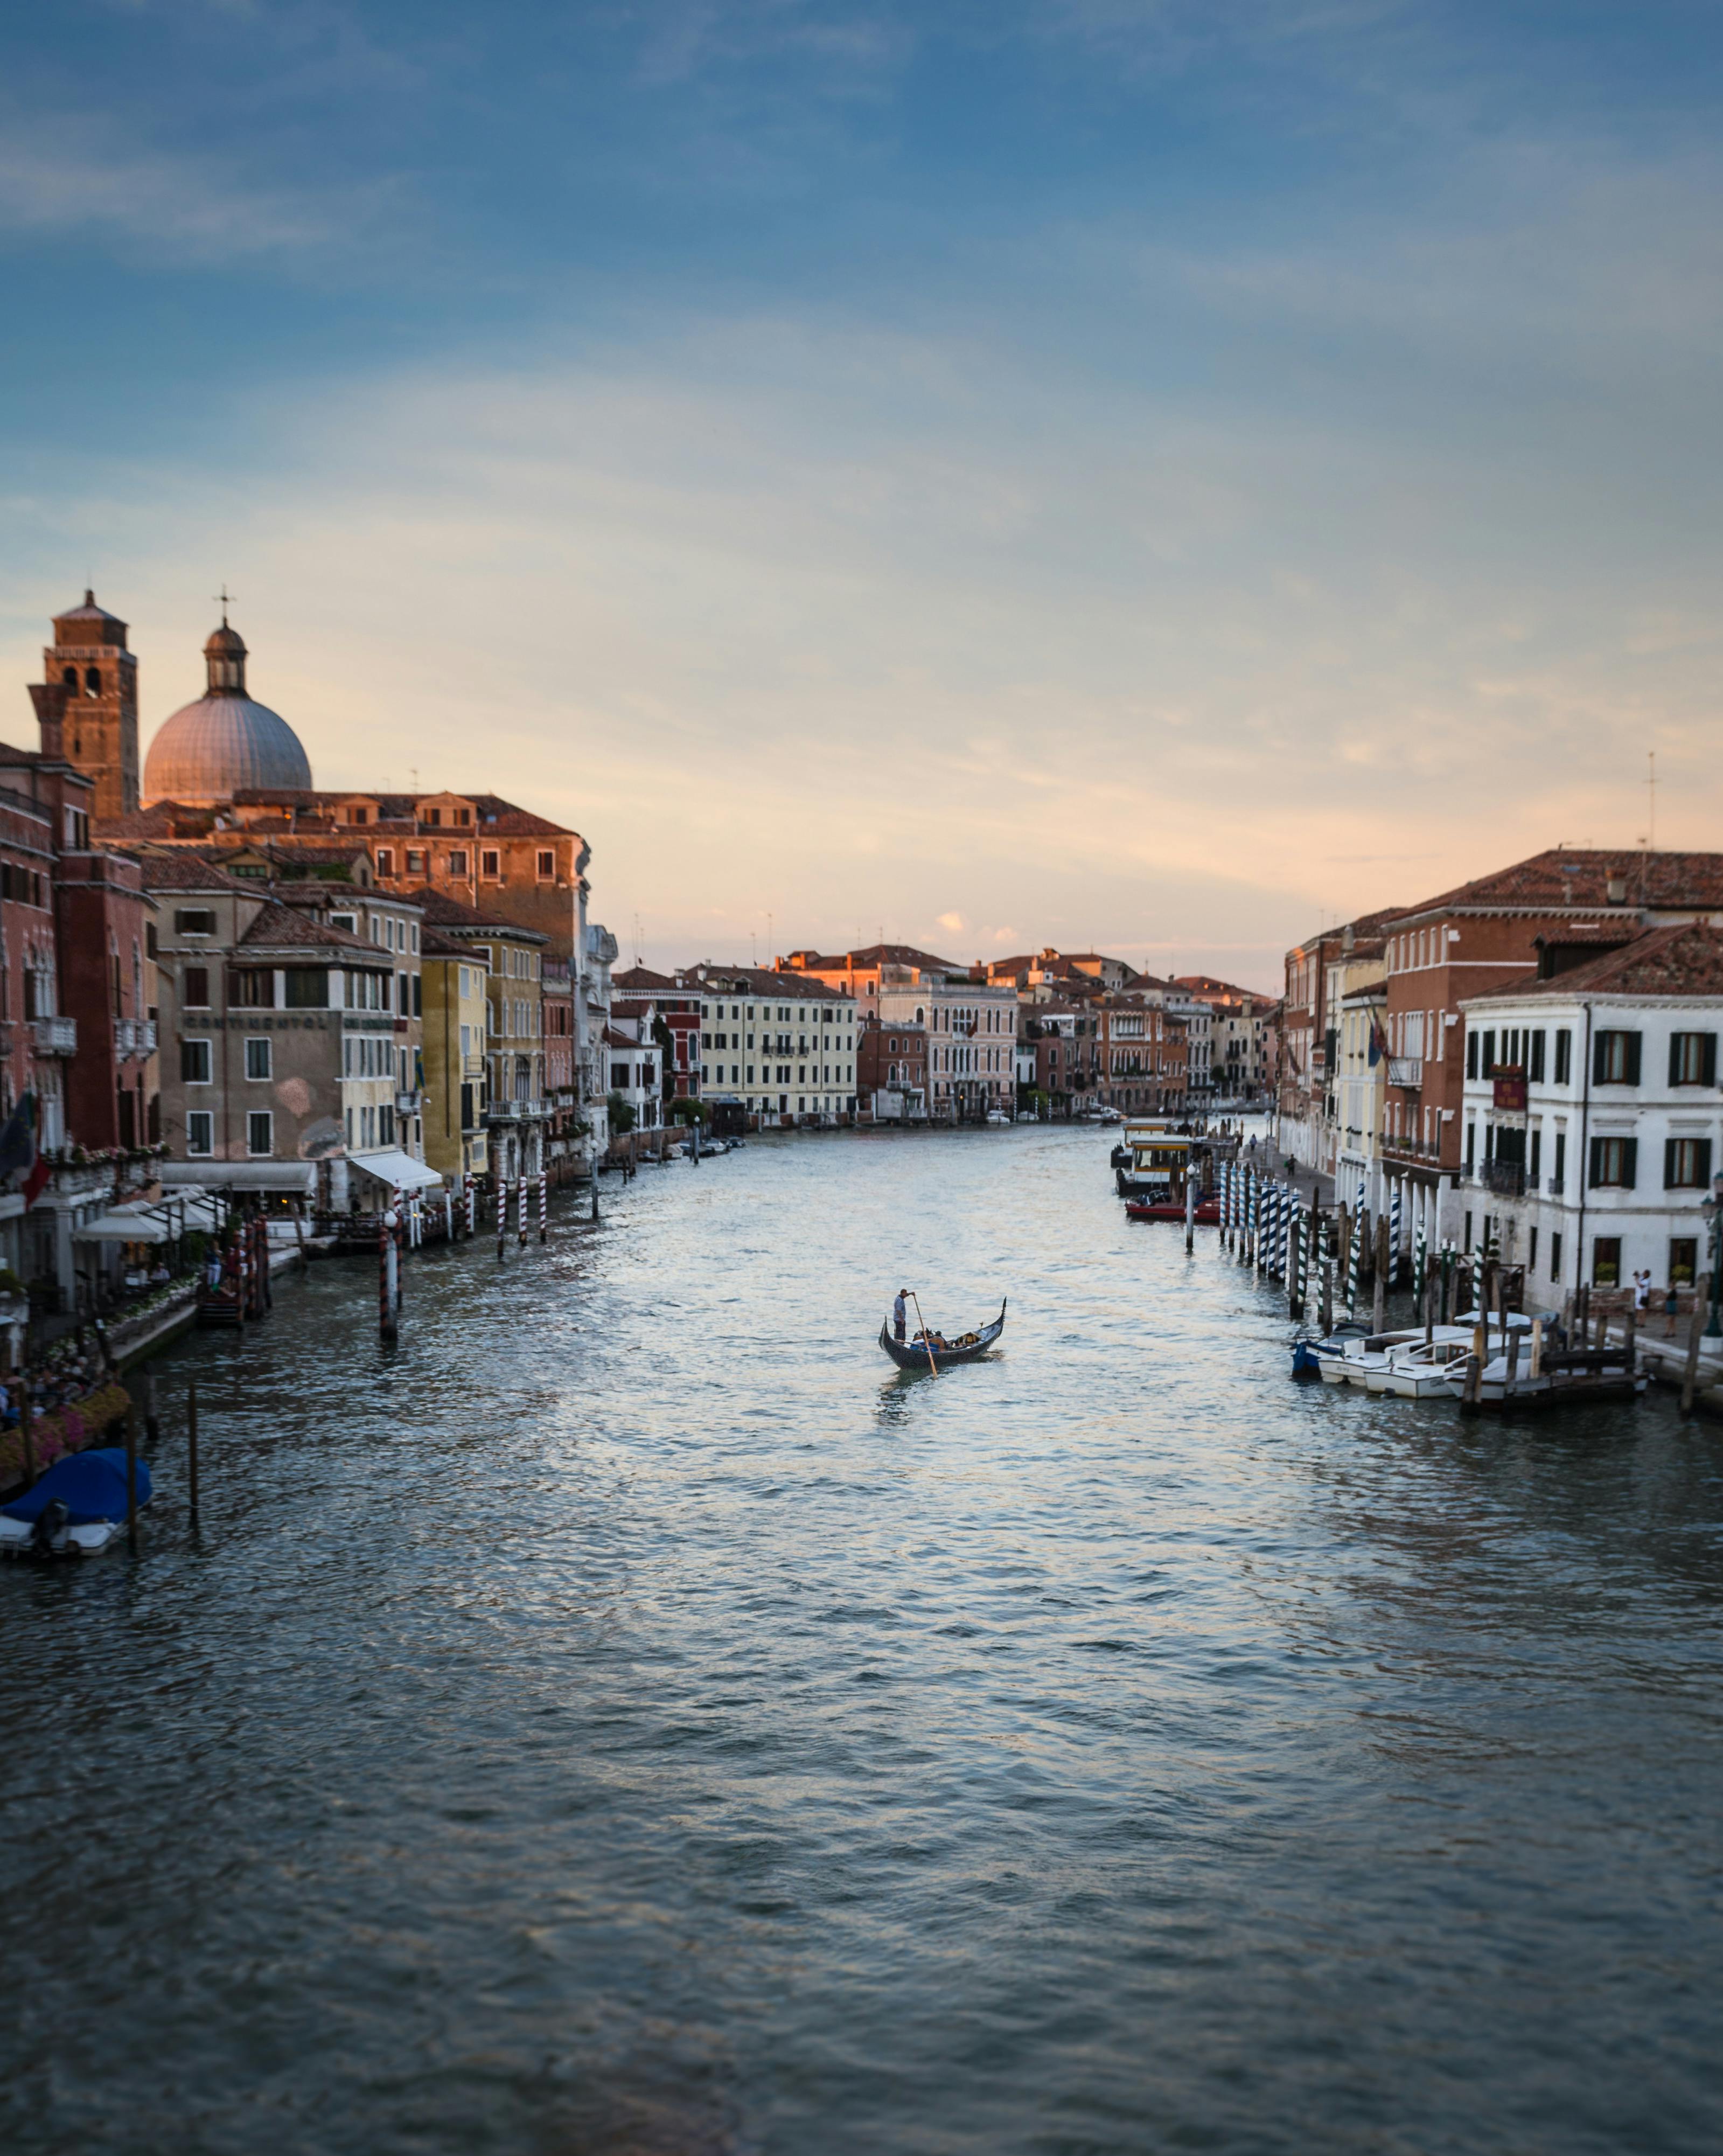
(1600, 1059)
(1633, 1070)
(1670, 1164)
(1705, 1162)
(1674, 1058)
(1708, 1070)
(1629, 1149)
(1597, 1173)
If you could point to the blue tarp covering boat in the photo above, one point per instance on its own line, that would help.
(90, 1485)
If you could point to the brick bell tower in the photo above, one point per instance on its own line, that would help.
(89, 658)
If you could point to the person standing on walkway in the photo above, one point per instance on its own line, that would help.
(1642, 1293)
(1672, 1305)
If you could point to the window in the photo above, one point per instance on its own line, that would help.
(194, 1062)
(358, 815)
(434, 817)
(193, 921)
(490, 864)
(1557, 1180)
(546, 865)
(1471, 1052)
(260, 1134)
(1692, 1059)
(1614, 1162)
(252, 987)
(1615, 1059)
(1555, 1257)
(458, 861)
(1687, 1163)
(1531, 1251)
(1535, 1165)
(1606, 1261)
(1471, 1146)
(259, 1061)
(350, 922)
(200, 1133)
(308, 987)
(415, 861)
(1535, 1071)
(194, 987)
(1684, 1260)
(386, 861)
(1564, 1056)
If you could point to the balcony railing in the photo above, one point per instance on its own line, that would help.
(1408, 1070)
(56, 1036)
(1506, 1178)
(407, 1104)
(134, 1036)
(1556, 1185)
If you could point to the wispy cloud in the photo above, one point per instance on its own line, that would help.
(59, 177)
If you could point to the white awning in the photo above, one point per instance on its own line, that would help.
(122, 1228)
(399, 1170)
(295, 1175)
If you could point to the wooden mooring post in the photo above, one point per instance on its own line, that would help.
(146, 1386)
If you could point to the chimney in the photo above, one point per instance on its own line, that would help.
(50, 698)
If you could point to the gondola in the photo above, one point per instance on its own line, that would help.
(912, 1355)
(1206, 1214)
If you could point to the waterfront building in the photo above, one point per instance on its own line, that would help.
(665, 1010)
(1241, 1025)
(1308, 1042)
(778, 1047)
(289, 1014)
(226, 775)
(1357, 995)
(1591, 1125)
(635, 1069)
(557, 994)
(517, 1116)
(1144, 1056)
(1472, 939)
(456, 1030)
(892, 1072)
(1058, 1048)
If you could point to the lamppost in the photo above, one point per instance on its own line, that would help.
(1712, 1208)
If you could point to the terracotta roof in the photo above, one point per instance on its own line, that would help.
(284, 928)
(1367, 925)
(641, 976)
(1562, 878)
(451, 915)
(759, 981)
(185, 871)
(503, 819)
(430, 945)
(864, 961)
(1684, 960)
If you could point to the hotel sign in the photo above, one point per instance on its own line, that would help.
(1511, 1088)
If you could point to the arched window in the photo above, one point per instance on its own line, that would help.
(69, 676)
(93, 681)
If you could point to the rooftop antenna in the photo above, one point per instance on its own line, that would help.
(639, 955)
(1651, 790)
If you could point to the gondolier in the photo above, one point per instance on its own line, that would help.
(900, 1315)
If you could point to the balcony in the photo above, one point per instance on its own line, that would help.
(1556, 1185)
(134, 1037)
(1507, 1178)
(1406, 1071)
(56, 1036)
(407, 1104)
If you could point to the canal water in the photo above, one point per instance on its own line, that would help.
(633, 1720)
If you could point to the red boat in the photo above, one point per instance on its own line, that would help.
(1207, 1215)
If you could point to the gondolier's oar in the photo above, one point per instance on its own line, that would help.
(925, 1342)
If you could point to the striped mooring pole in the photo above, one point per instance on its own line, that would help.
(1355, 1263)
(1394, 1236)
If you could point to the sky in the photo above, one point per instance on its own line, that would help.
(1111, 474)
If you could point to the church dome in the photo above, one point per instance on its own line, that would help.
(224, 743)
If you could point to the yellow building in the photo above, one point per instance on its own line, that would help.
(516, 1108)
(456, 1029)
